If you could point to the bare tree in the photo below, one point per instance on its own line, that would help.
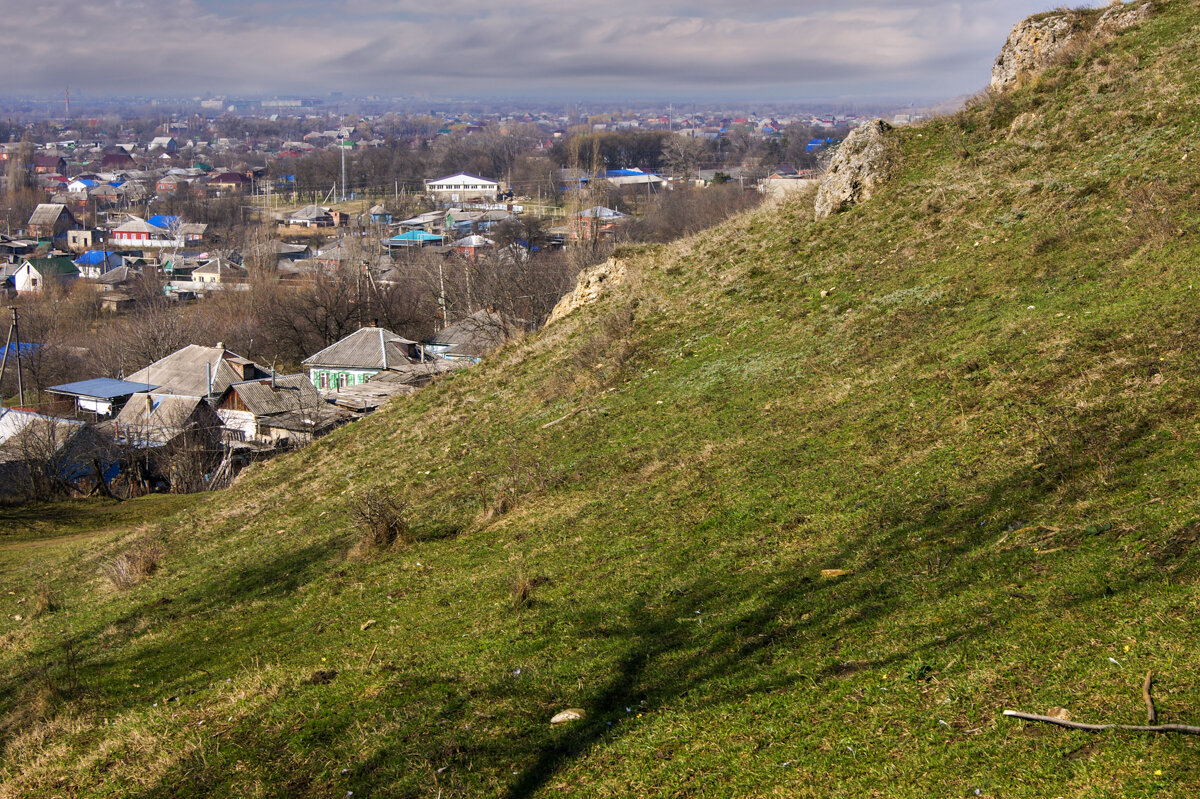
(47, 456)
(683, 155)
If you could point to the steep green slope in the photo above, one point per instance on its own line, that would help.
(976, 393)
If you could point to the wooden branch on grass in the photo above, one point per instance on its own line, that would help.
(1183, 729)
(563, 418)
(1150, 714)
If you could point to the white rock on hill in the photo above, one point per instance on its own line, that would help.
(862, 163)
(593, 284)
(1035, 42)
(570, 714)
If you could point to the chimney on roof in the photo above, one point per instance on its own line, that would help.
(220, 345)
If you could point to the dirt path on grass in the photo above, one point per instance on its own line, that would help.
(37, 543)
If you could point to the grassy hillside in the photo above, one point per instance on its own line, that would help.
(976, 394)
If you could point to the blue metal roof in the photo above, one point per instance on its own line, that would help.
(162, 220)
(416, 235)
(24, 349)
(93, 258)
(102, 387)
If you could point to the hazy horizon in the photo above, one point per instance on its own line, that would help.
(862, 51)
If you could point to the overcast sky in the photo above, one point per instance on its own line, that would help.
(907, 50)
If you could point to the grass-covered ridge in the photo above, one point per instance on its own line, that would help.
(976, 393)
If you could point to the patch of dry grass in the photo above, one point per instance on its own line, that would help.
(131, 567)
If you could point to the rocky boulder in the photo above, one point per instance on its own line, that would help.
(593, 283)
(861, 164)
(1035, 42)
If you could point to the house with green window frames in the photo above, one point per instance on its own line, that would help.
(359, 356)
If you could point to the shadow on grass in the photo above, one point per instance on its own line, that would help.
(664, 662)
(662, 650)
(190, 656)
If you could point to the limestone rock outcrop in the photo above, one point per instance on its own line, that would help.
(593, 284)
(862, 163)
(1035, 42)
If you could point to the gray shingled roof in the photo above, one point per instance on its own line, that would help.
(139, 225)
(418, 374)
(118, 275)
(288, 393)
(186, 371)
(311, 213)
(155, 417)
(47, 214)
(23, 433)
(366, 348)
(477, 334)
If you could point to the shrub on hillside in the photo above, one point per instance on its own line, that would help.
(380, 522)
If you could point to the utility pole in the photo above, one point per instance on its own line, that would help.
(441, 294)
(14, 331)
(342, 147)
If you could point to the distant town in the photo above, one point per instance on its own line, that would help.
(197, 284)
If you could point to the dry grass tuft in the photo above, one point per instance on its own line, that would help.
(133, 565)
(521, 590)
(43, 599)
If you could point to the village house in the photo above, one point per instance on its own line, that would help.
(633, 177)
(82, 240)
(49, 165)
(166, 143)
(379, 215)
(469, 246)
(37, 273)
(360, 355)
(138, 233)
(81, 186)
(156, 418)
(39, 451)
(177, 438)
(52, 221)
(311, 216)
(117, 160)
(217, 272)
(116, 278)
(413, 238)
(279, 412)
(101, 396)
(12, 248)
(229, 182)
(591, 223)
(471, 338)
(116, 301)
(171, 184)
(94, 264)
(460, 222)
(199, 371)
(429, 222)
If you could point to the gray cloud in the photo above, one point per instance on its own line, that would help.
(671, 48)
